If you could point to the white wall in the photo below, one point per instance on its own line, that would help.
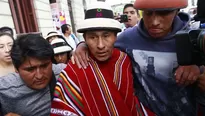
(43, 15)
(78, 12)
(5, 15)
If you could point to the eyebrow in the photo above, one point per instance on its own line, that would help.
(7, 43)
(105, 32)
(36, 66)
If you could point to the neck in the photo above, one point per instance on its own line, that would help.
(6, 64)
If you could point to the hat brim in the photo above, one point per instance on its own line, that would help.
(62, 49)
(161, 9)
(158, 5)
(51, 35)
(99, 24)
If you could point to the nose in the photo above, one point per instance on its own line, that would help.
(129, 14)
(155, 20)
(39, 73)
(100, 44)
(59, 57)
(7, 48)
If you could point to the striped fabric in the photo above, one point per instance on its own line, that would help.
(103, 89)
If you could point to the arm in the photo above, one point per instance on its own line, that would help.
(201, 80)
(12, 114)
(80, 55)
(186, 75)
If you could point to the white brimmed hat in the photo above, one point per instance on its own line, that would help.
(99, 15)
(60, 46)
(51, 34)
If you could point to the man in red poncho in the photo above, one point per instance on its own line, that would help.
(106, 86)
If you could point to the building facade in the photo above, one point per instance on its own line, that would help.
(25, 16)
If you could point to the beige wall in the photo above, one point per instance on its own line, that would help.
(78, 14)
(5, 15)
(43, 15)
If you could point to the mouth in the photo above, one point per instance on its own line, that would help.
(155, 30)
(9, 57)
(40, 82)
(101, 54)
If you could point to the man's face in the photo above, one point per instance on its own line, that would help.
(133, 18)
(6, 43)
(69, 30)
(36, 73)
(61, 58)
(158, 23)
(100, 43)
(50, 39)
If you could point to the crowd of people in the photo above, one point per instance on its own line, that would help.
(112, 73)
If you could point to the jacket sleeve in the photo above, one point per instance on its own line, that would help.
(57, 68)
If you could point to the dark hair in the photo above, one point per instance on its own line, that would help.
(64, 28)
(30, 45)
(5, 28)
(130, 5)
(7, 34)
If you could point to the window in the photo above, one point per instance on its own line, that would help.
(24, 16)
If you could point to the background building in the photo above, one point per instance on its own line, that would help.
(25, 16)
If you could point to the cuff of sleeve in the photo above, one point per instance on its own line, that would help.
(201, 68)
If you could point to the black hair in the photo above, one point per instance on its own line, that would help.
(64, 28)
(5, 28)
(200, 16)
(7, 34)
(30, 45)
(130, 5)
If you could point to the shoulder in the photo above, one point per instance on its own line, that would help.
(71, 73)
(121, 55)
(57, 68)
(127, 33)
(71, 68)
(12, 80)
(125, 38)
(121, 60)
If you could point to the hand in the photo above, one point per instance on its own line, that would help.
(186, 75)
(12, 114)
(80, 56)
(201, 81)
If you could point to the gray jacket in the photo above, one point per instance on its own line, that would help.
(17, 98)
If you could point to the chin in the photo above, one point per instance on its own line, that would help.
(102, 59)
(8, 61)
(39, 87)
